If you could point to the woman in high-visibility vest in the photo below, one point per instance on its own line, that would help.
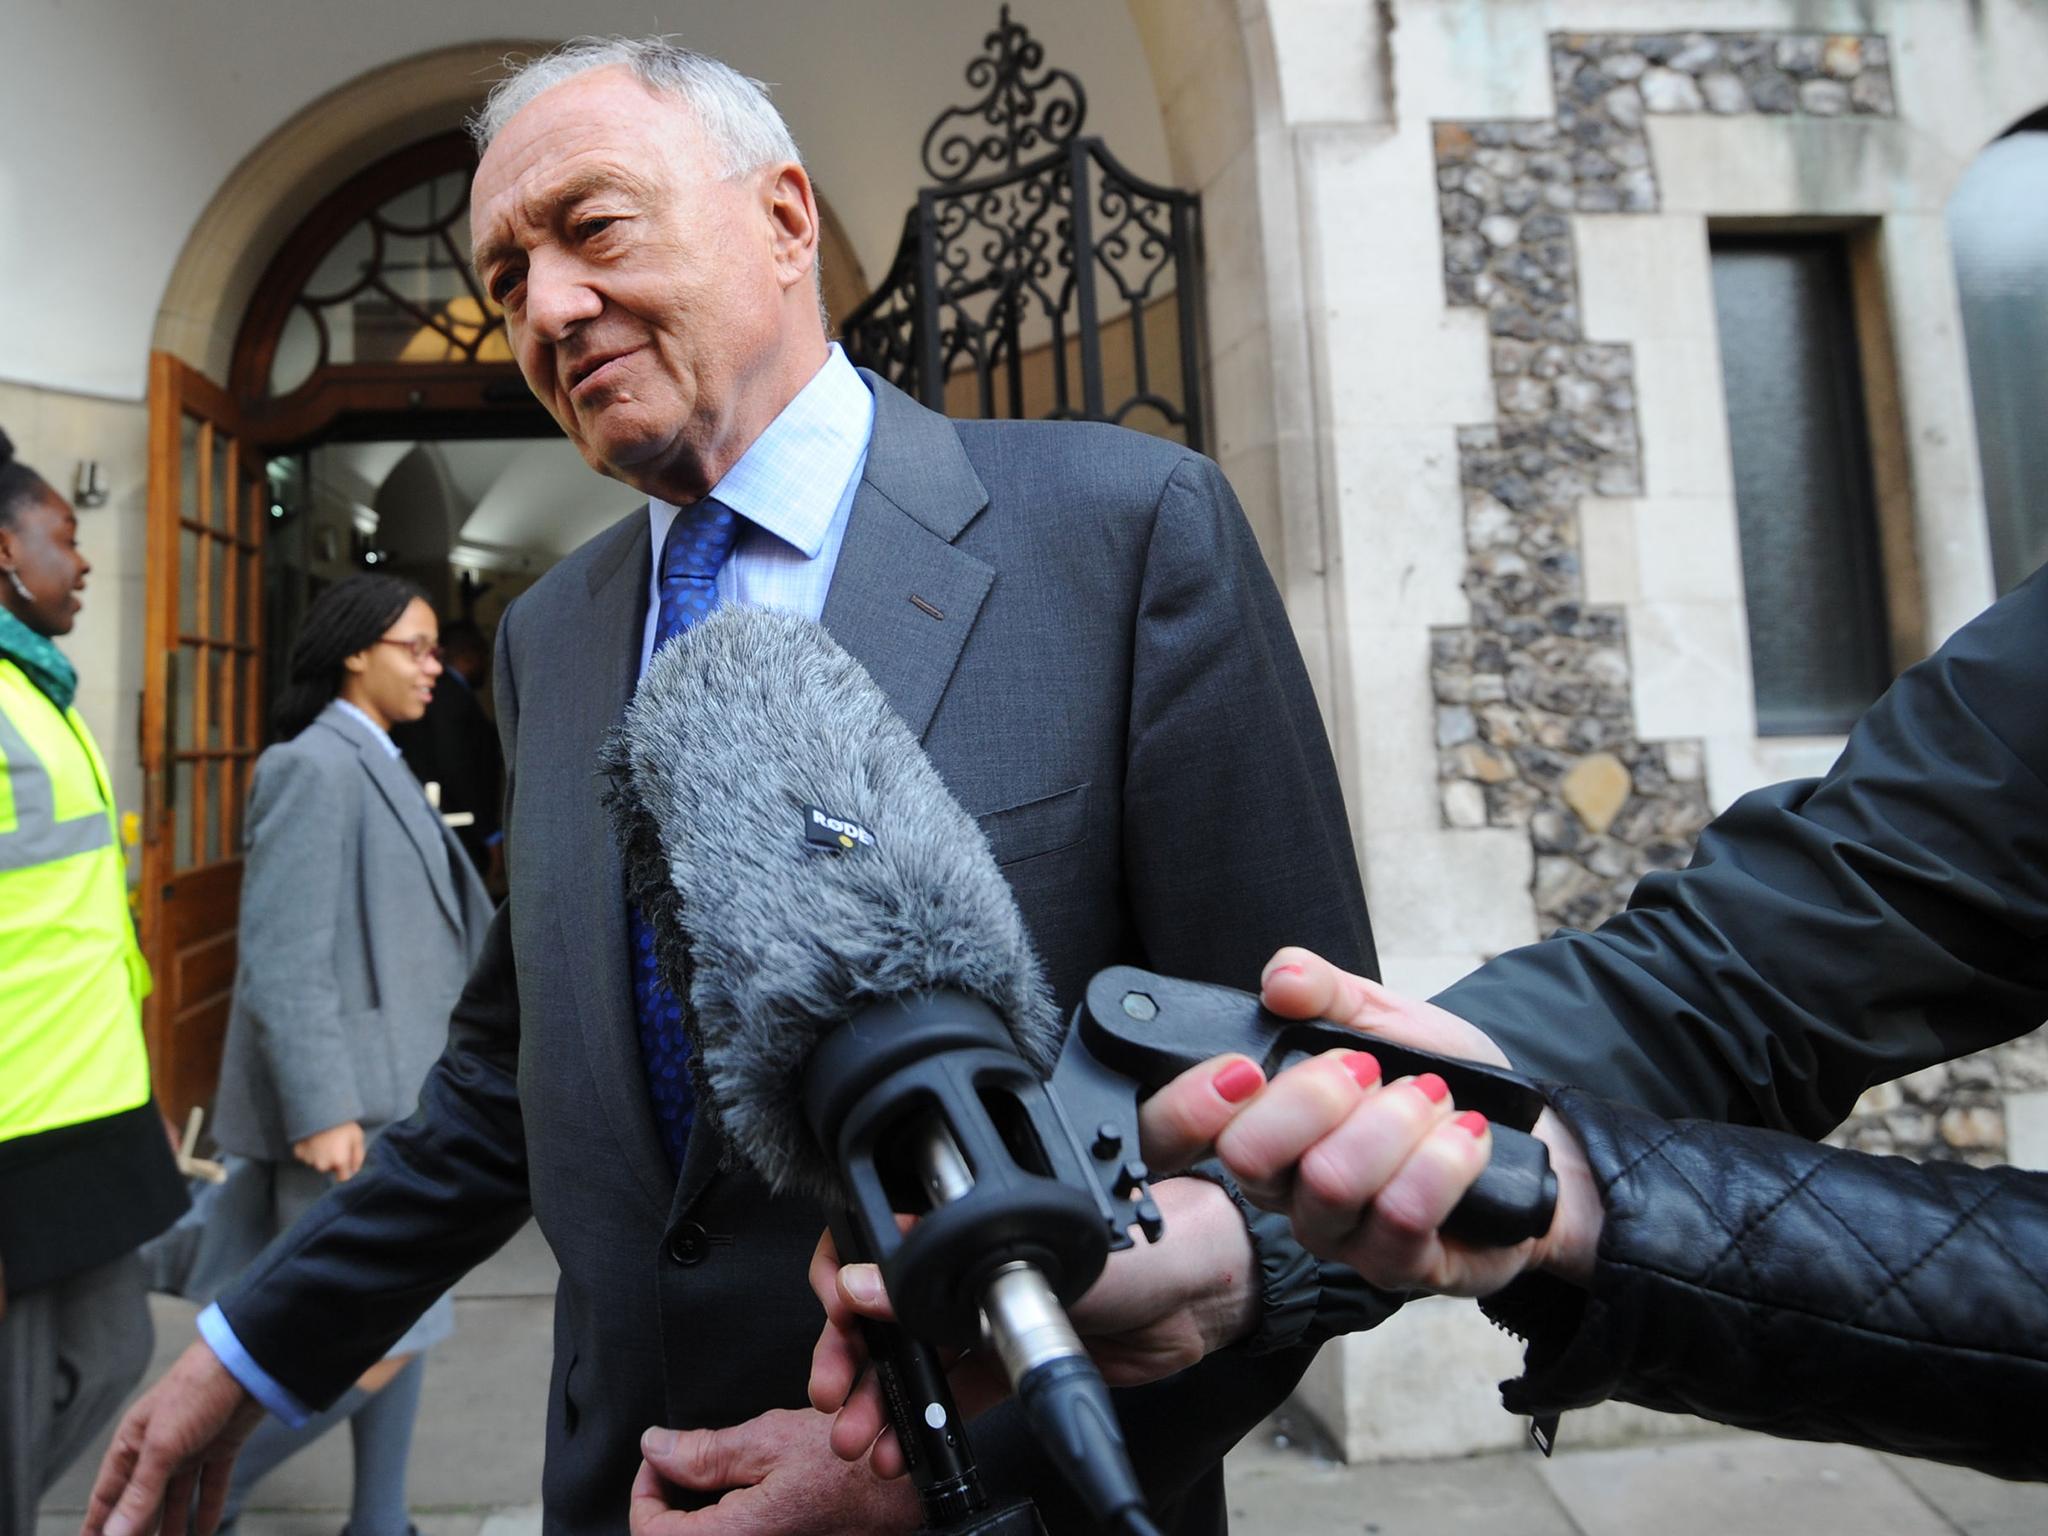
(86, 1172)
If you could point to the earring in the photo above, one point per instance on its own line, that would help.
(21, 586)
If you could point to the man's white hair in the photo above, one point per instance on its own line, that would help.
(733, 108)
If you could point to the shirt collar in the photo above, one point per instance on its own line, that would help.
(792, 477)
(383, 736)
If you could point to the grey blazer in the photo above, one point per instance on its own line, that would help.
(361, 917)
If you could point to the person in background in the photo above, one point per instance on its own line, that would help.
(455, 745)
(86, 1172)
(361, 916)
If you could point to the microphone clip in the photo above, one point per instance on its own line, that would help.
(1135, 1031)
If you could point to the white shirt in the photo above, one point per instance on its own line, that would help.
(794, 486)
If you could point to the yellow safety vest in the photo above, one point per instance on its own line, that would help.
(72, 979)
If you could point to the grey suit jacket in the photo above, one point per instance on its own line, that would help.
(357, 932)
(1076, 622)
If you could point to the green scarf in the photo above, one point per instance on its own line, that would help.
(39, 657)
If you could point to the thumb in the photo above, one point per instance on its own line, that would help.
(703, 1459)
(861, 1289)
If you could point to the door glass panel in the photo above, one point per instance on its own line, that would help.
(217, 551)
(219, 704)
(211, 847)
(220, 505)
(181, 841)
(189, 466)
(188, 583)
(184, 699)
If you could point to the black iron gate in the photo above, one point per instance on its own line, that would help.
(1038, 277)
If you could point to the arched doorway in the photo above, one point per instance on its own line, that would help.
(372, 418)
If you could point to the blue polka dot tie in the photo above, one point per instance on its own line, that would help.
(698, 542)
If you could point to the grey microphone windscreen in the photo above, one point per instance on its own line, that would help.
(799, 859)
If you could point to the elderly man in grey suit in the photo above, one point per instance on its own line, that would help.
(1076, 623)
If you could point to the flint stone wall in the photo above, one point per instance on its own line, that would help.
(1534, 723)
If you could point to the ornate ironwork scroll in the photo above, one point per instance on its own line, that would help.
(1056, 284)
(395, 287)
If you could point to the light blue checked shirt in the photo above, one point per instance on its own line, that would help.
(383, 736)
(795, 487)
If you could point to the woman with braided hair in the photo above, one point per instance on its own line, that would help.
(361, 916)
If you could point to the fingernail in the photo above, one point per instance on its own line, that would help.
(1472, 1121)
(657, 1442)
(1364, 1068)
(862, 1283)
(1238, 1081)
(1289, 969)
(1432, 1087)
(118, 1525)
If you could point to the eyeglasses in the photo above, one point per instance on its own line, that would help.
(420, 646)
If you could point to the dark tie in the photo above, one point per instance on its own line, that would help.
(697, 544)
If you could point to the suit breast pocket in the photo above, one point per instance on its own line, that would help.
(1037, 827)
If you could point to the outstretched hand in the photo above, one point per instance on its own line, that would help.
(1366, 1172)
(179, 1439)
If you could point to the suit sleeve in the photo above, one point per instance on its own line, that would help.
(438, 1194)
(1235, 842)
(1828, 934)
(301, 807)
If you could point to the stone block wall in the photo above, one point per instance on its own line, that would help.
(1534, 718)
(1534, 712)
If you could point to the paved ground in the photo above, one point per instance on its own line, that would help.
(476, 1465)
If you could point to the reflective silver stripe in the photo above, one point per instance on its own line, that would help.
(38, 837)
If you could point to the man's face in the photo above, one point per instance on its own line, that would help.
(643, 289)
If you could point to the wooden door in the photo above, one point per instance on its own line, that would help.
(201, 716)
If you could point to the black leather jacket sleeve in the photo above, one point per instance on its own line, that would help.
(1828, 934)
(1763, 1281)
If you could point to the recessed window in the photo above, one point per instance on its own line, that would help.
(1804, 495)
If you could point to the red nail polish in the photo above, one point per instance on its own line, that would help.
(1238, 1081)
(1363, 1067)
(1432, 1088)
(1473, 1121)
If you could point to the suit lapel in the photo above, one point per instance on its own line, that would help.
(408, 802)
(605, 637)
(903, 597)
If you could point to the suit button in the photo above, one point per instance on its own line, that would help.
(689, 1244)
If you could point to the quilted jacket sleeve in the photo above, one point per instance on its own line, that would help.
(1761, 1280)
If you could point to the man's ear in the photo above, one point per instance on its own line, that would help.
(792, 208)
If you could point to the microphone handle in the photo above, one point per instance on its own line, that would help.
(921, 1409)
(1048, 1367)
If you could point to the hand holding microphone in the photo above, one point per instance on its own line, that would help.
(1367, 1170)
